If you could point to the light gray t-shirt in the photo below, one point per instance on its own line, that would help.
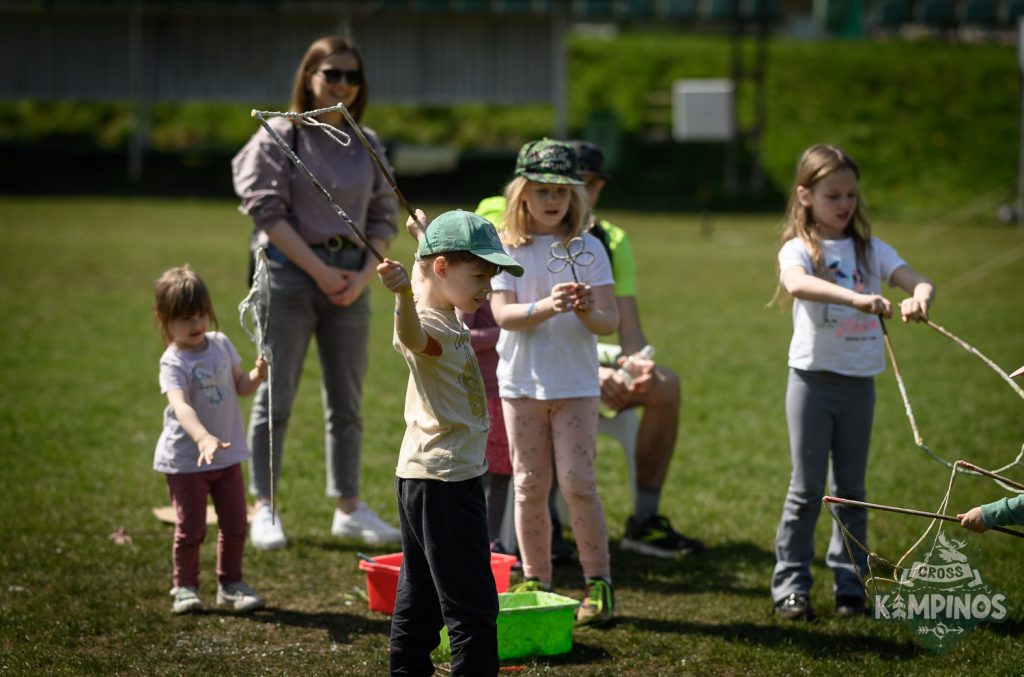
(836, 337)
(207, 377)
(557, 359)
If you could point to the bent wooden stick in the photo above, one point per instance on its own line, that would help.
(380, 165)
(259, 115)
(988, 473)
(909, 511)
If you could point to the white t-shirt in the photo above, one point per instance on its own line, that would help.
(835, 337)
(556, 359)
(207, 377)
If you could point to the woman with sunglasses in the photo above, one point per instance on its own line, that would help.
(319, 276)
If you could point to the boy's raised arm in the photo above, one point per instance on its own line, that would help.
(407, 323)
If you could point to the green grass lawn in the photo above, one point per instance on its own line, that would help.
(80, 413)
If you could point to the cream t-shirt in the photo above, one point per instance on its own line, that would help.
(445, 405)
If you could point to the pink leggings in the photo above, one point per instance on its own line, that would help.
(565, 430)
(188, 495)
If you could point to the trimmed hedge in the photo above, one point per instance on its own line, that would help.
(933, 125)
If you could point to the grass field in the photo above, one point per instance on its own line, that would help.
(80, 412)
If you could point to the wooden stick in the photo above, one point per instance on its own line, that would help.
(380, 165)
(918, 440)
(988, 473)
(974, 351)
(909, 511)
(316, 184)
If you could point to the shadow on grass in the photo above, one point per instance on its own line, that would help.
(1009, 628)
(581, 654)
(340, 627)
(717, 569)
(350, 546)
(813, 640)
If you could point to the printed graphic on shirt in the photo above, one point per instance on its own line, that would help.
(940, 596)
(471, 380)
(847, 322)
(209, 383)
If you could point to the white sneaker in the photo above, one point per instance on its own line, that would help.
(364, 524)
(265, 530)
(186, 600)
(240, 597)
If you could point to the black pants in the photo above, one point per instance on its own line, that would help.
(446, 579)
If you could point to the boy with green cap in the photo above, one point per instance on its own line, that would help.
(446, 574)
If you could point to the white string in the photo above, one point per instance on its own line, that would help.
(254, 315)
(870, 583)
(308, 118)
(918, 439)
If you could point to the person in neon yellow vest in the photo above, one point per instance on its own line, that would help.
(656, 388)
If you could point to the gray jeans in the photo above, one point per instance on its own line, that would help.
(826, 412)
(298, 311)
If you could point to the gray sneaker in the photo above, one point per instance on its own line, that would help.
(186, 600)
(240, 597)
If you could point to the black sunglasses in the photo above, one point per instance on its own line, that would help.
(333, 76)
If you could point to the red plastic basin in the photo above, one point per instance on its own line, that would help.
(382, 578)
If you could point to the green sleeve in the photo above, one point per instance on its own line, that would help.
(623, 263)
(1004, 511)
(493, 209)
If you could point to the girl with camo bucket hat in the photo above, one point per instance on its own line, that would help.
(547, 374)
(552, 164)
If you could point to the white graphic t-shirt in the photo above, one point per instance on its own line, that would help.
(557, 358)
(835, 337)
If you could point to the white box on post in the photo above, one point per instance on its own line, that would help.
(702, 110)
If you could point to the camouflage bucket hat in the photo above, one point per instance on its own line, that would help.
(548, 161)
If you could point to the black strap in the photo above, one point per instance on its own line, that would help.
(601, 233)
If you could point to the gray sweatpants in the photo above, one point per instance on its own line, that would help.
(299, 311)
(826, 412)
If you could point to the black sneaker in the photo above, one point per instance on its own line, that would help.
(795, 607)
(850, 606)
(655, 537)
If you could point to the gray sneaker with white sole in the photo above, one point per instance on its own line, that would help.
(240, 597)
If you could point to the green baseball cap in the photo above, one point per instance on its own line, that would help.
(460, 231)
(548, 161)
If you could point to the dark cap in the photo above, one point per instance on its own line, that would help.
(589, 159)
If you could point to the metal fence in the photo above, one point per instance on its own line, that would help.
(181, 51)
